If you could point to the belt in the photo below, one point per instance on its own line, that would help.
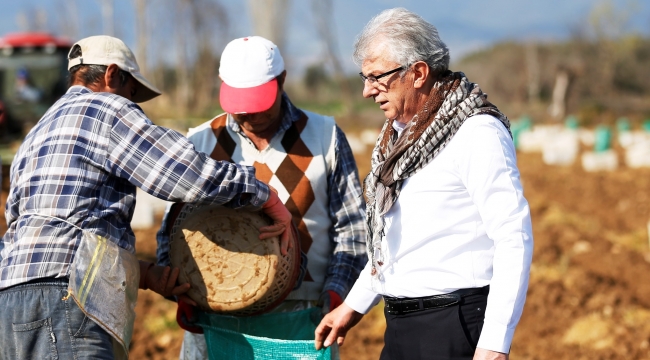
(399, 306)
(42, 282)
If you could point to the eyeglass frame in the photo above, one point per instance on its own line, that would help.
(373, 78)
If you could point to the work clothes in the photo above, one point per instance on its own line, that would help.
(82, 163)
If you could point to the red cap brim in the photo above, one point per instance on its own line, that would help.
(248, 100)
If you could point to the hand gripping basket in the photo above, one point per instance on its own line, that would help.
(230, 270)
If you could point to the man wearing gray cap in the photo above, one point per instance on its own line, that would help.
(68, 273)
(304, 156)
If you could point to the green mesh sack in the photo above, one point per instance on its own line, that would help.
(279, 336)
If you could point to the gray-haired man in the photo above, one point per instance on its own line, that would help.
(447, 220)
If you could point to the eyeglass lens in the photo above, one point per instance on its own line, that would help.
(373, 78)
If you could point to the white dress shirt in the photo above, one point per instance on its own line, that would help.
(460, 222)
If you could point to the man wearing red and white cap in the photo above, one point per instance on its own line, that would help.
(250, 70)
(69, 277)
(304, 156)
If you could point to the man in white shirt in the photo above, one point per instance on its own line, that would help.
(449, 232)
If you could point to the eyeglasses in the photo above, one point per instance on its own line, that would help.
(373, 78)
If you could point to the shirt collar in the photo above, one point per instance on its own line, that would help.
(290, 114)
(78, 89)
(398, 126)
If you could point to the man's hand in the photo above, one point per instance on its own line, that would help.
(335, 326)
(482, 354)
(161, 279)
(281, 217)
(329, 301)
(185, 316)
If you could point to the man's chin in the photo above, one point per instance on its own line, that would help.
(389, 114)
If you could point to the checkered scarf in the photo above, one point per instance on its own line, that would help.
(452, 100)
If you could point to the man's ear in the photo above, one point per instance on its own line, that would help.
(112, 76)
(281, 79)
(420, 73)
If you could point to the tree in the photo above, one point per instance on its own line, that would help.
(323, 11)
(107, 17)
(269, 18)
(187, 49)
(142, 34)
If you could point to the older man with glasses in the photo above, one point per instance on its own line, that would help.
(449, 231)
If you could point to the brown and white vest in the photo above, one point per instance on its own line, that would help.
(297, 164)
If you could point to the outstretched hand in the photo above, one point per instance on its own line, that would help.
(329, 300)
(335, 326)
(282, 225)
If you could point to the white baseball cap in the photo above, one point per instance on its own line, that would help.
(106, 50)
(248, 70)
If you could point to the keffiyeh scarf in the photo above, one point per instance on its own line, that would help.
(452, 100)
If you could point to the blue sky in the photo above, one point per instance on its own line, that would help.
(464, 25)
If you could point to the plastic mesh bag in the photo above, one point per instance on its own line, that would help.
(288, 335)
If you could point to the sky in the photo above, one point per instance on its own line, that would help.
(465, 26)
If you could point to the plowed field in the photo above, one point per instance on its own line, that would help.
(589, 294)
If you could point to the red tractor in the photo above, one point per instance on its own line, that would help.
(33, 75)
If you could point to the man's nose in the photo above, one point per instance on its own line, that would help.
(369, 90)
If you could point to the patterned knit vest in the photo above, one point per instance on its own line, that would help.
(297, 163)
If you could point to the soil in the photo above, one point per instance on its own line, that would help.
(589, 294)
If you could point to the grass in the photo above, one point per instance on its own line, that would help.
(163, 322)
(7, 154)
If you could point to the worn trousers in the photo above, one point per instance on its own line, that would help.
(38, 321)
(446, 333)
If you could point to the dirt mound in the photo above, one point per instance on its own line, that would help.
(589, 297)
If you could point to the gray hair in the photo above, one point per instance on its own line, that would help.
(90, 74)
(409, 37)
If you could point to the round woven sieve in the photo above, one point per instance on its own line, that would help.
(230, 270)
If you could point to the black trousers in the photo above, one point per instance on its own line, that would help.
(447, 333)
